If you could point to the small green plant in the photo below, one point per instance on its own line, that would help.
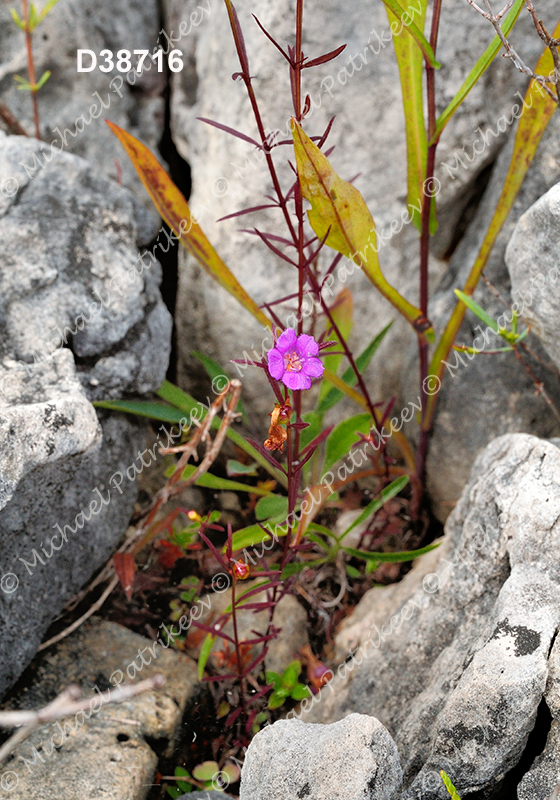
(449, 786)
(286, 685)
(31, 19)
(205, 776)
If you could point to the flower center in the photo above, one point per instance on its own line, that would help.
(293, 362)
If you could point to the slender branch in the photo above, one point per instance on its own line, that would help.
(68, 703)
(427, 204)
(11, 121)
(510, 51)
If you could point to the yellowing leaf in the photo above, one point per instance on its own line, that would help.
(410, 62)
(339, 210)
(174, 209)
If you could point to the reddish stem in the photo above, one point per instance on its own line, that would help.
(427, 201)
(31, 69)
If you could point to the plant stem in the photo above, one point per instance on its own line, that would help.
(427, 201)
(240, 674)
(31, 69)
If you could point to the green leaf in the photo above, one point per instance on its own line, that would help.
(410, 63)
(24, 84)
(391, 558)
(342, 437)
(174, 792)
(33, 19)
(234, 467)
(43, 79)
(479, 69)
(276, 700)
(210, 481)
(205, 771)
(144, 408)
(389, 491)
(274, 505)
(476, 309)
(273, 677)
(332, 397)
(414, 31)
(449, 786)
(299, 692)
(184, 786)
(352, 572)
(291, 675)
(47, 8)
(249, 537)
(20, 23)
(205, 654)
(294, 568)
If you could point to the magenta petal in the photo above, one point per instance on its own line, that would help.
(286, 340)
(307, 346)
(313, 367)
(275, 363)
(296, 380)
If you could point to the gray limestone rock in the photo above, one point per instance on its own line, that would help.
(532, 261)
(72, 276)
(354, 758)
(453, 660)
(73, 105)
(229, 175)
(77, 323)
(108, 750)
(60, 515)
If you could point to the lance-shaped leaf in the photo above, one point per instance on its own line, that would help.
(339, 210)
(537, 112)
(410, 62)
(407, 24)
(174, 209)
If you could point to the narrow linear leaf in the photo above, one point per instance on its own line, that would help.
(410, 62)
(205, 654)
(339, 214)
(174, 209)
(414, 31)
(393, 489)
(210, 481)
(449, 786)
(476, 309)
(392, 558)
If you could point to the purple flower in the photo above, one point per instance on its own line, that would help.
(293, 360)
